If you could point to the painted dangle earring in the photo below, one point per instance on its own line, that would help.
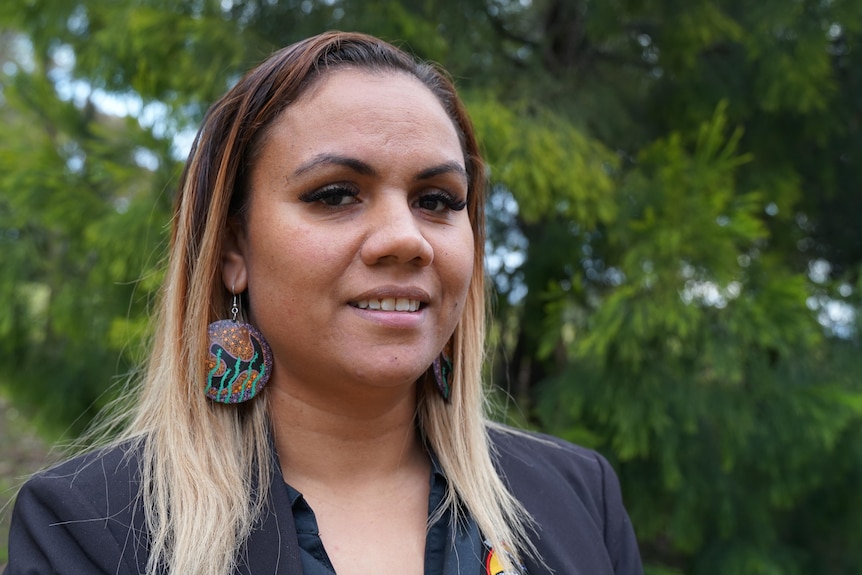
(443, 372)
(239, 361)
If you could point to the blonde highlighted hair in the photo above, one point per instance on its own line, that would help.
(205, 466)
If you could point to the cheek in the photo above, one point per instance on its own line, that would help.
(460, 261)
(288, 264)
(293, 247)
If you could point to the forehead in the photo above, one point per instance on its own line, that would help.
(387, 110)
(347, 86)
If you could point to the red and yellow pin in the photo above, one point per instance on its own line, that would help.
(493, 565)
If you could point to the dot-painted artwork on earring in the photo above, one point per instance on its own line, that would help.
(239, 362)
(442, 368)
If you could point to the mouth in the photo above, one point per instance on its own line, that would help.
(402, 304)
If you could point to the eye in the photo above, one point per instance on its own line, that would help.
(333, 196)
(440, 201)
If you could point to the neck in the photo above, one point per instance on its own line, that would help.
(345, 441)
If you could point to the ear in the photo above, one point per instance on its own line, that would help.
(234, 271)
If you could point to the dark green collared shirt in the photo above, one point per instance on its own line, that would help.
(453, 545)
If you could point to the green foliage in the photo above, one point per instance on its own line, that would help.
(673, 229)
(551, 167)
(81, 221)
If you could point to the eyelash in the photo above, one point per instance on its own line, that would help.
(343, 191)
(451, 202)
(329, 192)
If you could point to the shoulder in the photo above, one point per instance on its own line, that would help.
(533, 448)
(100, 466)
(80, 514)
(541, 459)
(103, 484)
(573, 497)
(546, 472)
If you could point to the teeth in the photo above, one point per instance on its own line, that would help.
(389, 304)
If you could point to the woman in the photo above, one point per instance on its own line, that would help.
(332, 206)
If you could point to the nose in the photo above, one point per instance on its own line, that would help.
(395, 235)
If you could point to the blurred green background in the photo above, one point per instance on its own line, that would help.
(674, 235)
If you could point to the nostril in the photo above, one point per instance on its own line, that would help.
(396, 242)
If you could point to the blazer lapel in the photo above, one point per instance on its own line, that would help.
(272, 547)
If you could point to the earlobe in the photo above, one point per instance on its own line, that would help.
(233, 267)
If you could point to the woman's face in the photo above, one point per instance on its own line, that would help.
(356, 249)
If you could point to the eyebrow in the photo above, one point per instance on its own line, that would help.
(365, 169)
(334, 159)
(444, 168)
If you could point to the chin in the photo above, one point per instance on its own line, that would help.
(390, 379)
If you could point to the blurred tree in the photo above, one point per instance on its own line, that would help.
(80, 218)
(673, 230)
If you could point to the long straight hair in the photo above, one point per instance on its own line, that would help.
(206, 467)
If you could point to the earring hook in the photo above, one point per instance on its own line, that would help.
(234, 309)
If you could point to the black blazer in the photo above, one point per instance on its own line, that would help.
(84, 516)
